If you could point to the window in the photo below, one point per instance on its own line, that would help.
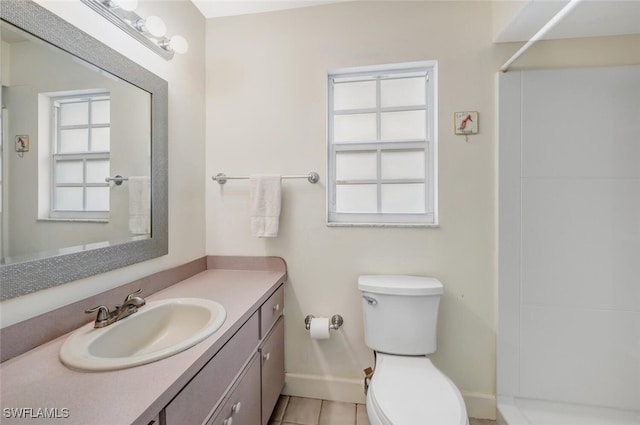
(382, 147)
(80, 159)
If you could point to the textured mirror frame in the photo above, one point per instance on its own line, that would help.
(31, 276)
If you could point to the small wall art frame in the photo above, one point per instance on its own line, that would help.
(465, 122)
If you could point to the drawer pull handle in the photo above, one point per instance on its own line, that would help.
(228, 421)
(266, 356)
(236, 407)
(276, 308)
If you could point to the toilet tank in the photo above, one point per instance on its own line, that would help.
(400, 313)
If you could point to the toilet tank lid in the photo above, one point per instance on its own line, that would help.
(400, 285)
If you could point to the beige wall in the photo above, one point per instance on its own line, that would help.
(504, 13)
(266, 113)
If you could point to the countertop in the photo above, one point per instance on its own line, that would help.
(37, 380)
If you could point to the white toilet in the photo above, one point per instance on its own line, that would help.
(400, 318)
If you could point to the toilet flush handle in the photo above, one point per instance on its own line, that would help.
(370, 300)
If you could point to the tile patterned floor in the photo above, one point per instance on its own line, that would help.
(309, 411)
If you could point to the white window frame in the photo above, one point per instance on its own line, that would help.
(430, 217)
(56, 157)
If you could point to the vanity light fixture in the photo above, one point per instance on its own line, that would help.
(152, 25)
(149, 31)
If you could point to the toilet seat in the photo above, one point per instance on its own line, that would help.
(410, 390)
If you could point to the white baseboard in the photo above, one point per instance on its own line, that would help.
(324, 387)
(481, 406)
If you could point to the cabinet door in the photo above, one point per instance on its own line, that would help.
(242, 405)
(272, 357)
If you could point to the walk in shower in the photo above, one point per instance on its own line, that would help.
(569, 247)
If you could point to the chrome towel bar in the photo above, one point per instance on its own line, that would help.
(118, 179)
(222, 178)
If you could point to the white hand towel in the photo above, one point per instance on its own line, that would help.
(139, 205)
(264, 204)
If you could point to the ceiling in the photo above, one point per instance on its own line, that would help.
(589, 19)
(219, 8)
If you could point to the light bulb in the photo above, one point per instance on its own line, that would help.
(155, 26)
(129, 5)
(179, 44)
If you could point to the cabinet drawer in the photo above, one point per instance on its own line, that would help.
(242, 405)
(272, 357)
(271, 310)
(199, 397)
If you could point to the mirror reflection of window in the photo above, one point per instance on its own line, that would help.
(80, 160)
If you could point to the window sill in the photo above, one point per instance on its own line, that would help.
(76, 220)
(423, 225)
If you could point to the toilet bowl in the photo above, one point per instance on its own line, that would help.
(410, 390)
(400, 320)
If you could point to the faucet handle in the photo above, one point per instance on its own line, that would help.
(103, 312)
(133, 294)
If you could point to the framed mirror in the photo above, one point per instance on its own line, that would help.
(84, 155)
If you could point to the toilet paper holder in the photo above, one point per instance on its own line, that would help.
(335, 322)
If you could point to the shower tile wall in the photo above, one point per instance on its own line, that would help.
(579, 292)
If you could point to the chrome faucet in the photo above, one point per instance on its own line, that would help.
(130, 305)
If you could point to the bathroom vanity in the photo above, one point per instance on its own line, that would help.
(233, 377)
(250, 366)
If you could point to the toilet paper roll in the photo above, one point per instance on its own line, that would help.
(319, 328)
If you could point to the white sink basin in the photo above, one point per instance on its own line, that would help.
(158, 330)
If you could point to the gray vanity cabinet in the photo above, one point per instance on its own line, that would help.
(242, 382)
